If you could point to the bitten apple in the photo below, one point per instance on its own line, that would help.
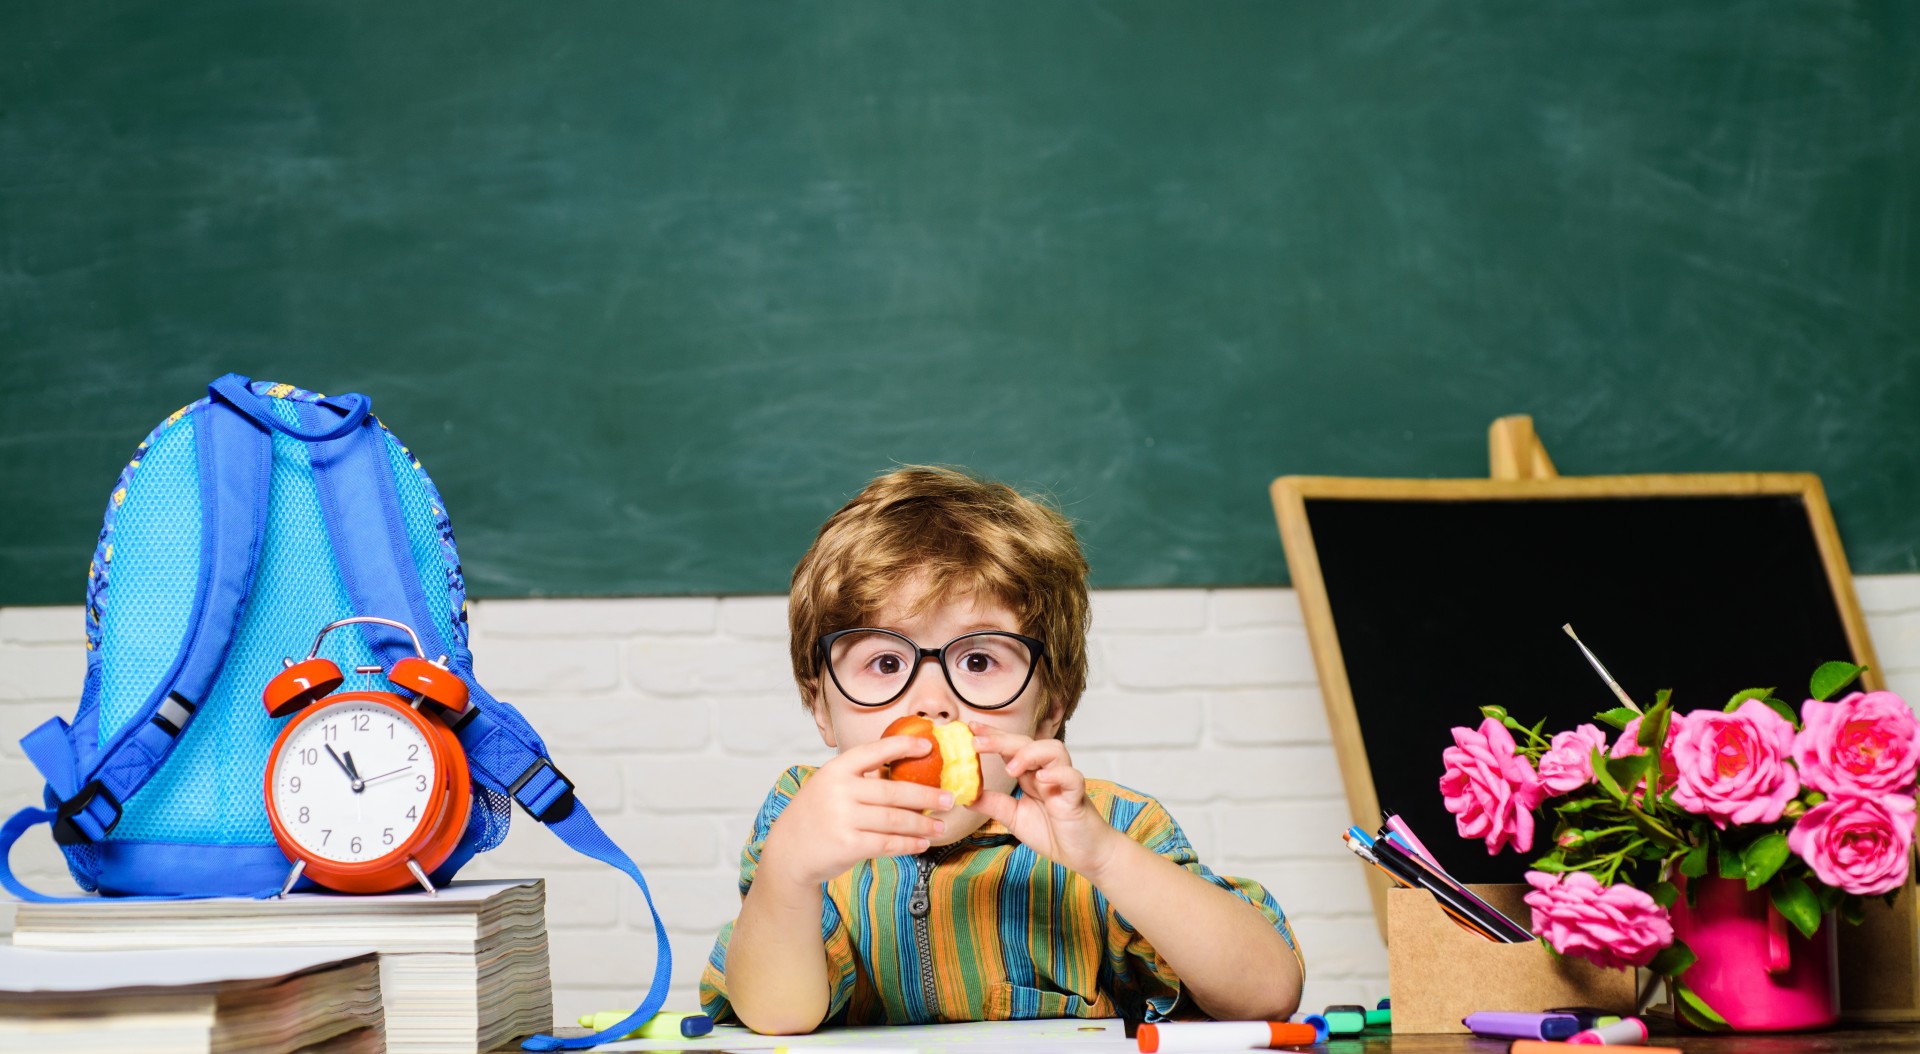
(952, 765)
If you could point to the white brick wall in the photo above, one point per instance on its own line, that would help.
(675, 715)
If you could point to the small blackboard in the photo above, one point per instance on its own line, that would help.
(1427, 599)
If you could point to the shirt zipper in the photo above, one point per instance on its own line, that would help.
(920, 905)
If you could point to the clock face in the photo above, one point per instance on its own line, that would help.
(353, 781)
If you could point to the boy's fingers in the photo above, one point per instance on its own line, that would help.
(1035, 756)
(901, 845)
(994, 806)
(1005, 744)
(870, 757)
(876, 819)
(899, 794)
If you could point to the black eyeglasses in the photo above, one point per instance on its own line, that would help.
(872, 667)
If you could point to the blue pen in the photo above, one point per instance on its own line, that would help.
(1359, 834)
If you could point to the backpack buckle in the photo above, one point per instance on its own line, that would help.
(67, 829)
(552, 795)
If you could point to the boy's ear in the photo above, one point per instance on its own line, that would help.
(1050, 725)
(823, 722)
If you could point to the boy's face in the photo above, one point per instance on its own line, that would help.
(844, 725)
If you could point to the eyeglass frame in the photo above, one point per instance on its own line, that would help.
(1036, 651)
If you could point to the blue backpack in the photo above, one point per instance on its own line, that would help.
(245, 522)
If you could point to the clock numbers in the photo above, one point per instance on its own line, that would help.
(352, 778)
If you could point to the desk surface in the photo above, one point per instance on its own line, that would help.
(1107, 1037)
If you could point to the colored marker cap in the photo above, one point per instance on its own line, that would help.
(1345, 1022)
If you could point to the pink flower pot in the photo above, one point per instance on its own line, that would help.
(1754, 968)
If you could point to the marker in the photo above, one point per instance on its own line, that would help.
(1509, 1025)
(1624, 1032)
(1316, 1022)
(1538, 1047)
(664, 1025)
(1590, 1016)
(1172, 1037)
(1345, 1019)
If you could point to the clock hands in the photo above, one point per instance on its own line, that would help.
(384, 775)
(346, 766)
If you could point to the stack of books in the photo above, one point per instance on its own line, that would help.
(463, 971)
(202, 1001)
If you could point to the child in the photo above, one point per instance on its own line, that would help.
(870, 901)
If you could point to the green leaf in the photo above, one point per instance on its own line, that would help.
(1604, 777)
(1780, 707)
(1664, 894)
(1797, 905)
(1694, 864)
(1673, 960)
(1831, 677)
(1617, 717)
(1742, 696)
(1653, 728)
(1763, 859)
(1628, 771)
(1549, 865)
(1732, 865)
(1564, 807)
(1696, 1009)
(1854, 910)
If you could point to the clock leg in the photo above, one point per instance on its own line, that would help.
(421, 877)
(292, 876)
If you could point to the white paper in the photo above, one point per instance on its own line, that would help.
(985, 1037)
(30, 971)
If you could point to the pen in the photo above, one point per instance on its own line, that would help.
(1538, 1047)
(1399, 827)
(1361, 852)
(1511, 1025)
(1450, 893)
(1173, 1037)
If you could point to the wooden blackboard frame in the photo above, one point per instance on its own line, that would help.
(1881, 971)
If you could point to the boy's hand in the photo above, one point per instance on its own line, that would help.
(1053, 817)
(845, 814)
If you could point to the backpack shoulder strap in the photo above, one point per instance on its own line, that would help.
(234, 455)
(235, 460)
(368, 535)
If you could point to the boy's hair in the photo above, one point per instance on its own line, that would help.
(965, 534)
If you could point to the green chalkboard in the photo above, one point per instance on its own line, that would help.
(652, 288)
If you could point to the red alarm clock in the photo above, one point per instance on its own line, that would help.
(367, 791)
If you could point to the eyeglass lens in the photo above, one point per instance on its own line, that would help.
(986, 669)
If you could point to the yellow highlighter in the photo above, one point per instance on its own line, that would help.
(664, 1025)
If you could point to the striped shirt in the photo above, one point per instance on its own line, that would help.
(985, 929)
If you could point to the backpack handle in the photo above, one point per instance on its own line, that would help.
(232, 390)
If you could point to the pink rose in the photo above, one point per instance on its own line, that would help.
(1857, 844)
(1610, 926)
(1734, 768)
(1568, 763)
(1628, 745)
(1867, 743)
(1489, 788)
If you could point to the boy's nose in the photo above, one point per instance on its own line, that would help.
(931, 698)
